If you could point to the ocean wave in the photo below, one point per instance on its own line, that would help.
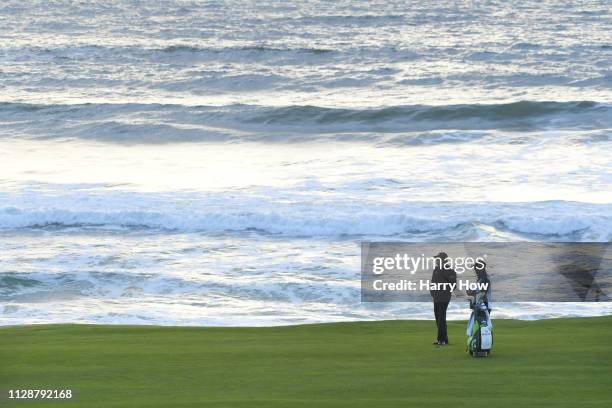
(576, 221)
(180, 48)
(157, 122)
(24, 287)
(122, 54)
(516, 114)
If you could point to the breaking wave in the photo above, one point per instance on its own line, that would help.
(157, 123)
(578, 221)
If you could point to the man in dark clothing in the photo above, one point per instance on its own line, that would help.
(442, 273)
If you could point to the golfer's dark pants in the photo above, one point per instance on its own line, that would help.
(440, 313)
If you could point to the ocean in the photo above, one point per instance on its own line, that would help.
(220, 162)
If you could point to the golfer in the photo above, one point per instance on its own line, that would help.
(442, 273)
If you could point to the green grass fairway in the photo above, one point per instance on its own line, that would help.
(550, 363)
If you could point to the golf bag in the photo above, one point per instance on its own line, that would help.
(480, 328)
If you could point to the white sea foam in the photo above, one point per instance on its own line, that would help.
(301, 215)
